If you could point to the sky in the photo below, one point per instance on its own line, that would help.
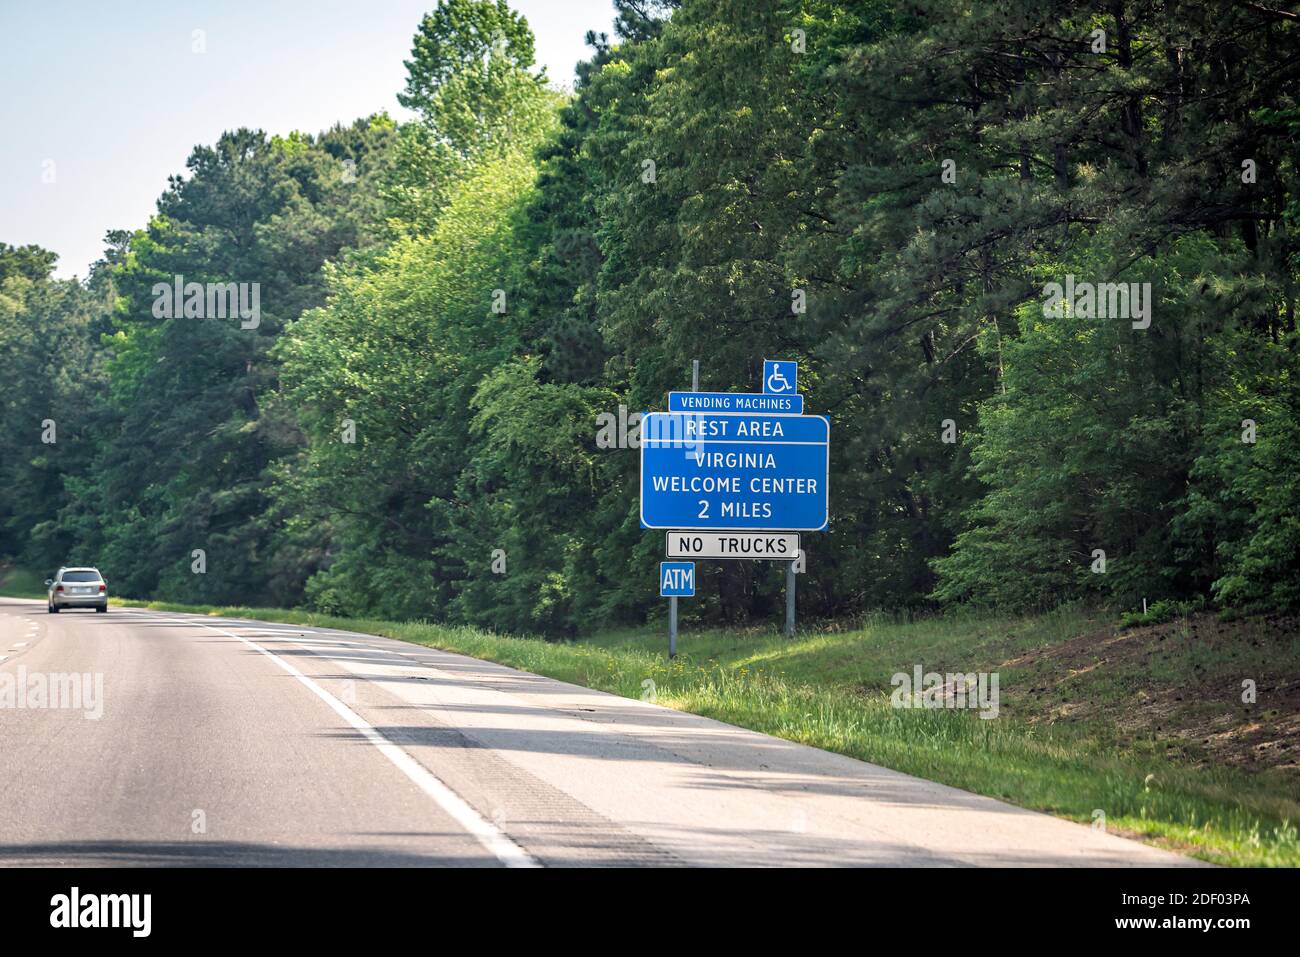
(103, 101)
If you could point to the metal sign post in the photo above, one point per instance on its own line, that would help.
(789, 600)
(672, 602)
(676, 579)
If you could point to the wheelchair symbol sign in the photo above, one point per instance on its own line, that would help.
(780, 377)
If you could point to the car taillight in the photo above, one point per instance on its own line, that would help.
(58, 588)
(101, 586)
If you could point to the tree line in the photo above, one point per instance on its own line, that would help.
(898, 195)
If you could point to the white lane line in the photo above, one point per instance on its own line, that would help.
(19, 644)
(489, 835)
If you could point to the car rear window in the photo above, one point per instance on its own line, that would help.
(81, 576)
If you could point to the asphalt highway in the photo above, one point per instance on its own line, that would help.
(153, 738)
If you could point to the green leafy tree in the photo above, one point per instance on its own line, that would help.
(192, 397)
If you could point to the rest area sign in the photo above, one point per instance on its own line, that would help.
(734, 475)
(735, 471)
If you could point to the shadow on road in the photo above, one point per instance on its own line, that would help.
(201, 853)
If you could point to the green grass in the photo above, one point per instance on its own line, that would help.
(21, 583)
(1160, 611)
(831, 690)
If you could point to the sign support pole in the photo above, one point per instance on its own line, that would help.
(672, 602)
(789, 600)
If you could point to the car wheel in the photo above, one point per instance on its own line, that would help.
(54, 609)
(101, 609)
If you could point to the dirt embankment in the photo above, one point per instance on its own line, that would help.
(1185, 683)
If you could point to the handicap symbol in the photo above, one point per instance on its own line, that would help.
(777, 382)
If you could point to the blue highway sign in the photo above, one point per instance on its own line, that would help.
(731, 471)
(780, 377)
(733, 402)
(676, 579)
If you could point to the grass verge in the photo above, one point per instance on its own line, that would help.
(825, 690)
(21, 583)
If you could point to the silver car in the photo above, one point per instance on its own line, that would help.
(77, 588)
